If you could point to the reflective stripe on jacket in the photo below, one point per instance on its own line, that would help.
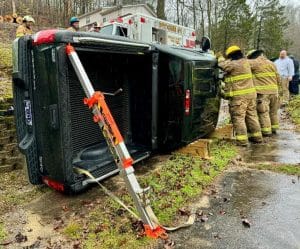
(238, 78)
(265, 76)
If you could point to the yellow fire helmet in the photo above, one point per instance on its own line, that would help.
(232, 49)
(254, 53)
(28, 19)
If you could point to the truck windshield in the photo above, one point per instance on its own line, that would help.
(107, 30)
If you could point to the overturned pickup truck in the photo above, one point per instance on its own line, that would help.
(161, 98)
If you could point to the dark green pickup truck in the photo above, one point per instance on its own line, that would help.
(168, 99)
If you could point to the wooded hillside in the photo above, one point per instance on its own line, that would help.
(263, 24)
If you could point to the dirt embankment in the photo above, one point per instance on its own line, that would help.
(7, 32)
(10, 158)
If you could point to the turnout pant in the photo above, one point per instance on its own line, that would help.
(244, 119)
(267, 110)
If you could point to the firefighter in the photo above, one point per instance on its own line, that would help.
(240, 90)
(74, 24)
(266, 80)
(25, 27)
(96, 27)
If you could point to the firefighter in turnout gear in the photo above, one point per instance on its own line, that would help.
(25, 27)
(74, 24)
(266, 80)
(240, 90)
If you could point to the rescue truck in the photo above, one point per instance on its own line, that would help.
(150, 29)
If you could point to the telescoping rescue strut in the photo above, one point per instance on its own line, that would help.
(95, 100)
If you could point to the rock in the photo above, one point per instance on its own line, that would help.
(20, 237)
(246, 223)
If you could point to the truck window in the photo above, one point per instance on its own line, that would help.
(176, 71)
(107, 30)
(202, 79)
(121, 31)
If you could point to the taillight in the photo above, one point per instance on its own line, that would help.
(119, 19)
(53, 184)
(193, 33)
(130, 21)
(143, 19)
(187, 102)
(44, 37)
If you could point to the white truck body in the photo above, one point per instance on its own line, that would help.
(150, 29)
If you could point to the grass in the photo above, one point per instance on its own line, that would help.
(175, 183)
(5, 71)
(16, 190)
(3, 233)
(294, 109)
(6, 55)
(182, 178)
(106, 226)
(279, 168)
(73, 230)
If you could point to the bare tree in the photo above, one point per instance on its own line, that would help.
(160, 10)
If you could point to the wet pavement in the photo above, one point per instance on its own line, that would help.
(282, 148)
(271, 203)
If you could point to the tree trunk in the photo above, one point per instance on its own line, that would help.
(13, 3)
(259, 33)
(202, 28)
(208, 3)
(177, 10)
(194, 14)
(160, 10)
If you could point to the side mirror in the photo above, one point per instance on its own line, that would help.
(205, 43)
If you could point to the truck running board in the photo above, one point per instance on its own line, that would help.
(103, 117)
